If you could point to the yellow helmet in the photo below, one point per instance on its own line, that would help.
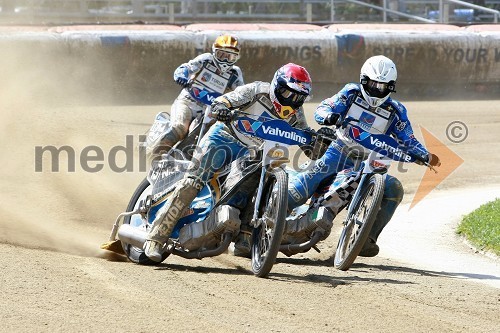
(226, 51)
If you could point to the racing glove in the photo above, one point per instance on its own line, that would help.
(319, 145)
(433, 160)
(331, 119)
(328, 132)
(181, 76)
(221, 112)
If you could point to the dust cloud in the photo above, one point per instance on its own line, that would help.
(45, 100)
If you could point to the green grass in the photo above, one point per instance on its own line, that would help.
(482, 227)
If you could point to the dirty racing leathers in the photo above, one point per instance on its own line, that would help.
(222, 144)
(187, 106)
(390, 118)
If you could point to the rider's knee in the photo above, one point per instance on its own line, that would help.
(178, 132)
(393, 189)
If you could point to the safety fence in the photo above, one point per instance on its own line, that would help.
(138, 61)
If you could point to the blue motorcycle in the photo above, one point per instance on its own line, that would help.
(210, 224)
(359, 190)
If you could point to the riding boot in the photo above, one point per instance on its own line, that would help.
(393, 194)
(168, 215)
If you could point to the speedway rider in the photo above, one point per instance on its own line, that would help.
(214, 72)
(224, 142)
(370, 103)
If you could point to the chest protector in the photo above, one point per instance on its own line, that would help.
(262, 109)
(209, 79)
(373, 120)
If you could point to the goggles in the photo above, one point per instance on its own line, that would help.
(289, 97)
(378, 89)
(226, 56)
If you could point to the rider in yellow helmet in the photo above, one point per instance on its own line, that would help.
(213, 72)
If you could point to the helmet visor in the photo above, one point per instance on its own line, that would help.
(378, 89)
(289, 97)
(226, 56)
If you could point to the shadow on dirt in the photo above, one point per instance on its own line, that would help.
(332, 281)
(237, 270)
(306, 261)
(336, 279)
(360, 267)
(328, 280)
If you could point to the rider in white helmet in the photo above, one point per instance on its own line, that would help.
(378, 80)
(370, 103)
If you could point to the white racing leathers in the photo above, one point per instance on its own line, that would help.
(206, 81)
(221, 145)
(253, 99)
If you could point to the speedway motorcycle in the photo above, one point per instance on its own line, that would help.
(359, 190)
(210, 224)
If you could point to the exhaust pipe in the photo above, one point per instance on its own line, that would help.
(228, 236)
(291, 249)
(133, 236)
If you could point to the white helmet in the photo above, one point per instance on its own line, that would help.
(378, 79)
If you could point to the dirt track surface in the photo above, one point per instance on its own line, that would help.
(55, 278)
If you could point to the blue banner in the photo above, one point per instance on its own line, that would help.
(380, 143)
(203, 95)
(274, 130)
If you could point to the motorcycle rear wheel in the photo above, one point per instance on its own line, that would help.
(266, 238)
(359, 222)
(133, 253)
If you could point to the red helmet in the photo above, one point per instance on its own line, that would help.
(290, 87)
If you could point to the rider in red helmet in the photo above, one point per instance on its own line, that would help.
(225, 141)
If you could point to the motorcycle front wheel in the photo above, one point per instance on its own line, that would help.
(266, 238)
(359, 222)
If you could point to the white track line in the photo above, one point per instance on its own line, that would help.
(425, 236)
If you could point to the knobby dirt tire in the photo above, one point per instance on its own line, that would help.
(266, 239)
(133, 253)
(354, 236)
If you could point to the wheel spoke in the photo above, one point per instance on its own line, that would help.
(359, 222)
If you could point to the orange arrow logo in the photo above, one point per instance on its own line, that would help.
(449, 163)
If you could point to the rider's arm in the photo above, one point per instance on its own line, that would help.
(401, 128)
(191, 67)
(243, 95)
(335, 107)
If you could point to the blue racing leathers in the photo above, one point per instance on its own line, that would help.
(390, 118)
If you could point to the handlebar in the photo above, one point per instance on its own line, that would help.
(422, 161)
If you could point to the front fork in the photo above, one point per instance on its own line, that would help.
(356, 196)
(260, 189)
